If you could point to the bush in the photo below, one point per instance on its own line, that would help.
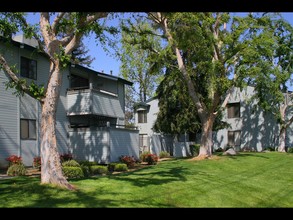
(85, 170)
(70, 163)
(13, 159)
(73, 172)
(143, 155)
(219, 149)
(164, 154)
(37, 162)
(66, 157)
(88, 163)
(117, 167)
(290, 150)
(16, 170)
(128, 160)
(120, 167)
(270, 148)
(151, 159)
(98, 169)
(194, 149)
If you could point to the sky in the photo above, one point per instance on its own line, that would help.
(103, 62)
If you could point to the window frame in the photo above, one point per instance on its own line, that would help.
(234, 142)
(28, 129)
(25, 63)
(142, 116)
(231, 113)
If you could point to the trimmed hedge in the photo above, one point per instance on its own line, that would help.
(70, 163)
(98, 169)
(73, 172)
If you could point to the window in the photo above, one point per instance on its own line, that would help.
(28, 129)
(233, 110)
(79, 82)
(142, 116)
(28, 68)
(234, 138)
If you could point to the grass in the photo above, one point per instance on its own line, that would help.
(245, 180)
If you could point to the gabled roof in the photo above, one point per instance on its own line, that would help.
(32, 48)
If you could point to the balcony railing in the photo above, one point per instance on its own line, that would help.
(97, 102)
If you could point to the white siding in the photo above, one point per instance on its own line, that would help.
(90, 144)
(123, 142)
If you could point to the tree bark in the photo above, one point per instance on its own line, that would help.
(282, 139)
(206, 143)
(51, 170)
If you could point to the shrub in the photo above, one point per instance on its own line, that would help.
(151, 159)
(164, 154)
(73, 172)
(98, 169)
(16, 170)
(128, 160)
(66, 157)
(290, 150)
(143, 155)
(13, 159)
(37, 162)
(219, 149)
(70, 163)
(270, 148)
(117, 167)
(120, 167)
(194, 149)
(88, 163)
(85, 170)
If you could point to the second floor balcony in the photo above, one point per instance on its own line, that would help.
(96, 102)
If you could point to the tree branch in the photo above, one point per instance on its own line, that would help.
(56, 21)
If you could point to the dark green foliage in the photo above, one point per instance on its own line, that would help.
(88, 163)
(98, 169)
(120, 167)
(270, 148)
(85, 170)
(16, 170)
(70, 163)
(73, 172)
(194, 149)
(290, 150)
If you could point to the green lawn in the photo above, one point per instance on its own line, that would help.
(246, 180)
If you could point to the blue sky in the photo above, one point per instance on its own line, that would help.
(106, 63)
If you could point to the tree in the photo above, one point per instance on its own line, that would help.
(271, 85)
(58, 51)
(177, 113)
(137, 56)
(212, 58)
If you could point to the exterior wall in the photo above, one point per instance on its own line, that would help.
(86, 144)
(258, 129)
(123, 142)
(9, 122)
(90, 144)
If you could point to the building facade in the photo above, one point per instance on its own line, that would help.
(249, 128)
(90, 113)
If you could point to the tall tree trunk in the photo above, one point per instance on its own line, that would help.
(206, 143)
(282, 139)
(51, 171)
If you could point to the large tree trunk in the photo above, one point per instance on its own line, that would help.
(51, 171)
(206, 144)
(282, 139)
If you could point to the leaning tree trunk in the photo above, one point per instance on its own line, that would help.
(282, 139)
(51, 171)
(206, 143)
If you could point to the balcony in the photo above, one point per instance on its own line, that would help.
(96, 102)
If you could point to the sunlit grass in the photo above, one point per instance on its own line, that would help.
(246, 180)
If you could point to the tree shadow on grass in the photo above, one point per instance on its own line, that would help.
(259, 154)
(158, 176)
